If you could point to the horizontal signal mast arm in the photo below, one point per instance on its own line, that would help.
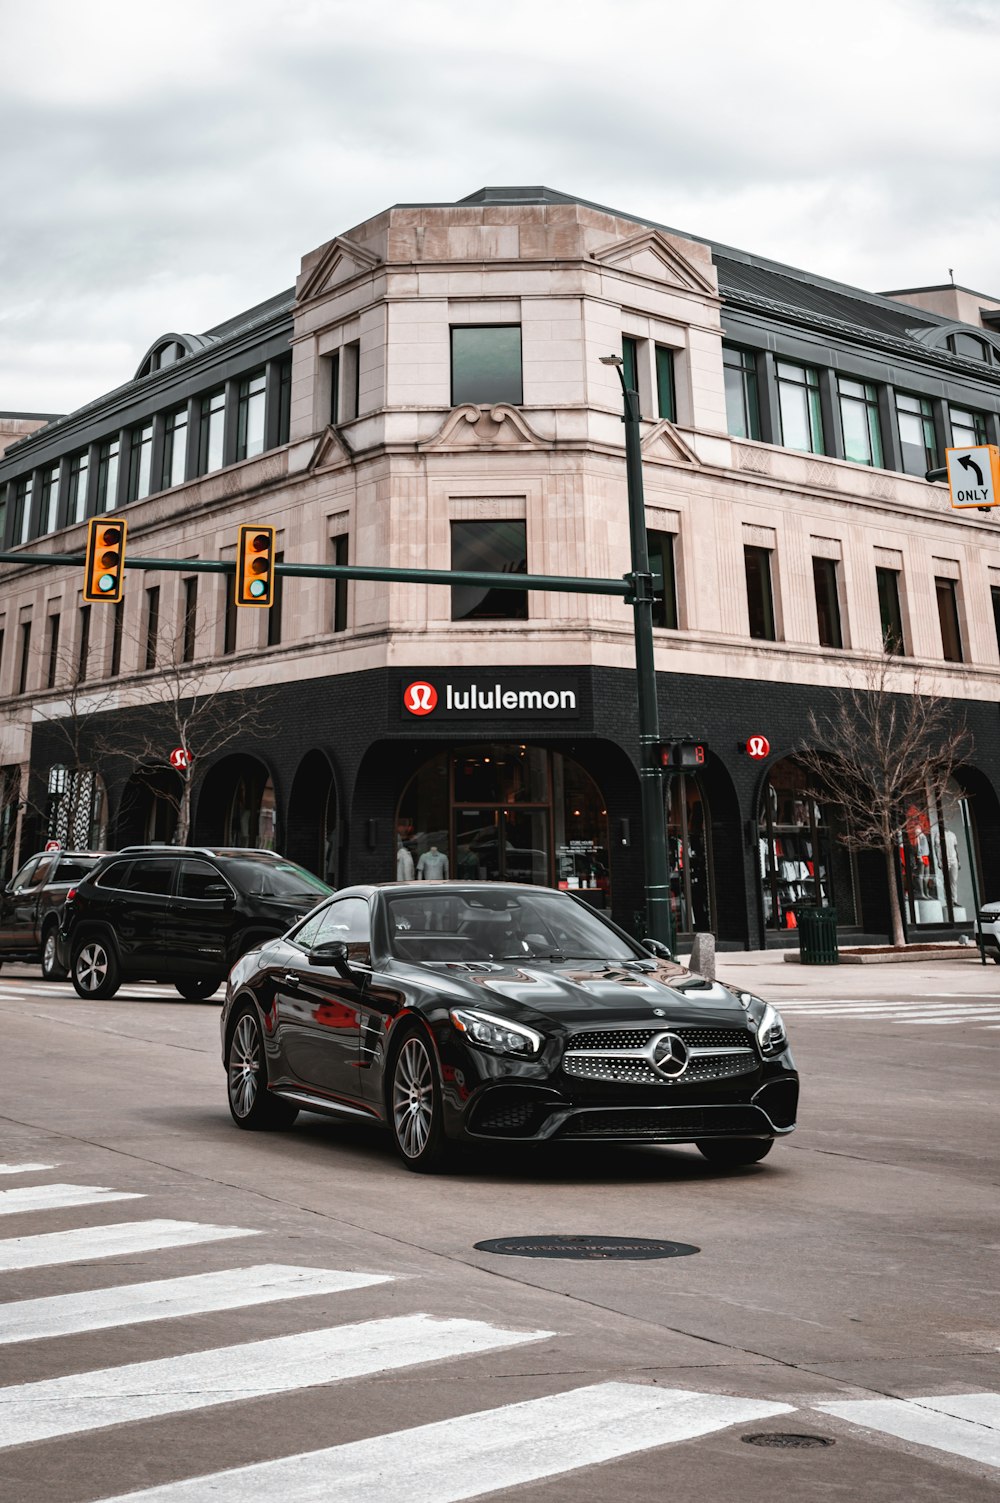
(570, 583)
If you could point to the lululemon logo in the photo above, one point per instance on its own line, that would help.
(420, 697)
(758, 747)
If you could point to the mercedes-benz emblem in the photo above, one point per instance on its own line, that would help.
(670, 1055)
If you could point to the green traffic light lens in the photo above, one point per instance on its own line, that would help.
(106, 582)
(258, 588)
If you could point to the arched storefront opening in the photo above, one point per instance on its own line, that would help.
(237, 806)
(689, 842)
(312, 836)
(934, 860)
(513, 813)
(147, 813)
(801, 858)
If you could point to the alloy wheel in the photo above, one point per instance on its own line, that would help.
(49, 953)
(413, 1098)
(244, 1066)
(92, 967)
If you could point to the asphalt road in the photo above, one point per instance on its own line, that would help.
(322, 1327)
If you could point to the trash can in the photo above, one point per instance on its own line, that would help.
(817, 935)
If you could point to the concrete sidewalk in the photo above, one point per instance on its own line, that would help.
(767, 973)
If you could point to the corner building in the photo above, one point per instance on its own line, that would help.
(430, 394)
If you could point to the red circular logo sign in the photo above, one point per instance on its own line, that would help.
(53, 845)
(420, 697)
(758, 747)
(180, 758)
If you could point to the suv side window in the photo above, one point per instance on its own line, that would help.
(347, 920)
(116, 875)
(198, 879)
(152, 876)
(72, 871)
(40, 873)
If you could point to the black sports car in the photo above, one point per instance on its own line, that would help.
(486, 1011)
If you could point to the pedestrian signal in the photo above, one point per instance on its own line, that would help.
(255, 566)
(104, 570)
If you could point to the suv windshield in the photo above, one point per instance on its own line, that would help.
(261, 877)
(483, 925)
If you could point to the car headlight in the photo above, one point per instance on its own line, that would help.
(496, 1034)
(771, 1035)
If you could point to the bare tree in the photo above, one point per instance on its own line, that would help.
(878, 753)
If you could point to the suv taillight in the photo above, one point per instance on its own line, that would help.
(71, 895)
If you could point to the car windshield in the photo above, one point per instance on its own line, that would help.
(263, 878)
(477, 924)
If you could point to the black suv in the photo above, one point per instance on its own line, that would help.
(179, 914)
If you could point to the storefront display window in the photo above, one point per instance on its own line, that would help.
(801, 860)
(504, 813)
(688, 838)
(934, 862)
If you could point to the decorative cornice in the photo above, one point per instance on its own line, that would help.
(331, 451)
(664, 261)
(664, 437)
(499, 426)
(340, 252)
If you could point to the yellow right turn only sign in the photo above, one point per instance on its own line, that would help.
(974, 476)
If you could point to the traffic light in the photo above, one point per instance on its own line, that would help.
(255, 566)
(104, 570)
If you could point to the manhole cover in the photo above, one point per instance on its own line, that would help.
(787, 1440)
(594, 1248)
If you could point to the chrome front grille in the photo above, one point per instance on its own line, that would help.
(625, 1056)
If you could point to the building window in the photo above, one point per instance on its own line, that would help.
(117, 627)
(968, 429)
(48, 517)
(152, 626)
(335, 387)
(859, 418)
(827, 602)
(284, 402)
(969, 346)
(799, 407)
(630, 363)
(994, 592)
(210, 432)
(486, 363)
(83, 653)
(140, 456)
(76, 508)
(916, 434)
(661, 563)
(802, 858)
(23, 494)
(666, 393)
(760, 594)
(22, 672)
(338, 547)
(933, 860)
(230, 617)
(107, 474)
(350, 381)
(689, 827)
(190, 618)
(274, 614)
(742, 405)
(250, 416)
(175, 436)
(494, 548)
(53, 667)
(889, 610)
(951, 633)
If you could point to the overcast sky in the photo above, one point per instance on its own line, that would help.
(165, 167)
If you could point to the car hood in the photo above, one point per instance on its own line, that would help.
(585, 994)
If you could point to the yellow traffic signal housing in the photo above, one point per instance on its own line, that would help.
(255, 566)
(104, 570)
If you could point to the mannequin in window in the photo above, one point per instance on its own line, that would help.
(432, 866)
(404, 861)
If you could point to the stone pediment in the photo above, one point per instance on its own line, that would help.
(473, 427)
(331, 451)
(650, 254)
(664, 442)
(341, 261)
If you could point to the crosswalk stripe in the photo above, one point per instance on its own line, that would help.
(225, 1375)
(476, 1454)
(167, 1299)
(24, 1168)
(966, 1424)
(56, 1197)
(79, 1246)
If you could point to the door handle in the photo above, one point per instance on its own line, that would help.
(292, 981)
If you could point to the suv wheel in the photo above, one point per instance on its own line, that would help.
(52, 970)
(251, 1104)
(95, 970)
(196, 989)
(732, 1152)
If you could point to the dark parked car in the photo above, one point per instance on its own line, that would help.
(488, 1011)
(30, 907)
(179, 914)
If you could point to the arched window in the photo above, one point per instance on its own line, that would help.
(934, 862)
(801, 860)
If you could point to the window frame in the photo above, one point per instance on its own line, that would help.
(946, 590)
(761, 556)
(809, 388)
(745, 364)
(829, 612)
(458, 396)
(518, 598)
(868, 402)
(923, 412)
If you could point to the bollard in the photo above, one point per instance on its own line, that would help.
(703, 956)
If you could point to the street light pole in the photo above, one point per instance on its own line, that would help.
(654, 835)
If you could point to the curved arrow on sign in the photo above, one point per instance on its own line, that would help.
(967, 462)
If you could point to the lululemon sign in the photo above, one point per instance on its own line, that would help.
(758, 747)
(420, 697)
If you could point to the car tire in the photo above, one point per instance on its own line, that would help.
(414, 1102)
(198, 988)
(95, 970)
(732, 1152)
(252, 1106)
(52, 970)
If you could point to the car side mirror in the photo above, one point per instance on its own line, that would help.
(220, 890)
(658, 948)
(333, 952)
